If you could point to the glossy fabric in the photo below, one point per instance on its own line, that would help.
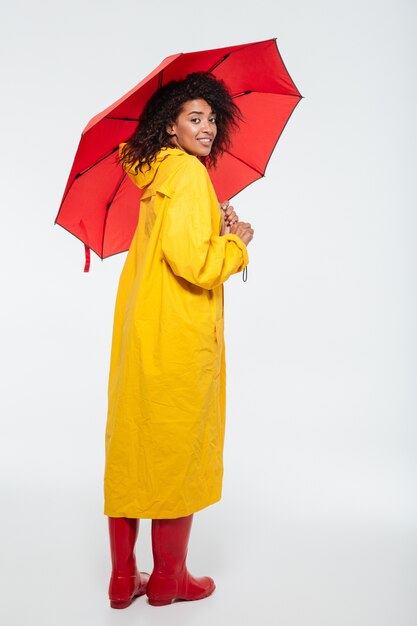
(167, 380)
(170, 579)
(126, 582)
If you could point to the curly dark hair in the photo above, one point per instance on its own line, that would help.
(163, 108)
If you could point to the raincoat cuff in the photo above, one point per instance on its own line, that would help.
(241, 249)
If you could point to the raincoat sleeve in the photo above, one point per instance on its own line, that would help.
(188, 241)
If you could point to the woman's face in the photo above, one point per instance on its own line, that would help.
(195, 128)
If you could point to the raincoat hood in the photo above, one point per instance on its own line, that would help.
(145, 178)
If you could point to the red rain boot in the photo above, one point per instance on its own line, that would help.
(170, 579)
(126, 582)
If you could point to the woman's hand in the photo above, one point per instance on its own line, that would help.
(242, 230)
(229, 217)
(231, 224)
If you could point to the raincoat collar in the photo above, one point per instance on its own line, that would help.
(145, 178)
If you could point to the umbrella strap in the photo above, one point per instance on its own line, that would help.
(87, 258)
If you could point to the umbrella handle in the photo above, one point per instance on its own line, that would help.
(245, 274)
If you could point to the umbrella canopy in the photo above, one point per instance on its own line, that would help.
(100, 204)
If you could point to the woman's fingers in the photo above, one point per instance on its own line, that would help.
(230, 216)
(244, 230)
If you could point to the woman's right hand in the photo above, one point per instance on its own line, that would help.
(242, 230)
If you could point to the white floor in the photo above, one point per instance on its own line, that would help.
(268, 569)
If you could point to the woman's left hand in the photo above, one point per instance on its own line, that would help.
(229, 217)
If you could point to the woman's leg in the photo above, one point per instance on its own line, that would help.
(126, 582)
(170, 579)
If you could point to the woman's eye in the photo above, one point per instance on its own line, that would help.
(197, 119)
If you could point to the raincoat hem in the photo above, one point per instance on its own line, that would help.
(161, 514)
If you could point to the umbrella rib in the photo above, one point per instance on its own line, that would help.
(96, 163)
(252, 43)
(255, 169)
(121, 119)
(119, 184)
(219, 62)
(79, 175)
(244, 93)
(268, 93)
(116, 190)
(133, 119)
(263, 174)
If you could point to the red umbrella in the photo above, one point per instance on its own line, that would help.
(100, 205)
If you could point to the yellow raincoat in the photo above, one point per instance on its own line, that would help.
(166, 392)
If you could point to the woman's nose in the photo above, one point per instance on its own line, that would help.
(205, 126)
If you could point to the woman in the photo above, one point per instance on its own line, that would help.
(166, 395)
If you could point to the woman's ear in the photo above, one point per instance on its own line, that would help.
(170, 129)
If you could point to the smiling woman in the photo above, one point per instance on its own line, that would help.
(167, 381)
(195, 128)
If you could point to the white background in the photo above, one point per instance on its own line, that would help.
(317, 524)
